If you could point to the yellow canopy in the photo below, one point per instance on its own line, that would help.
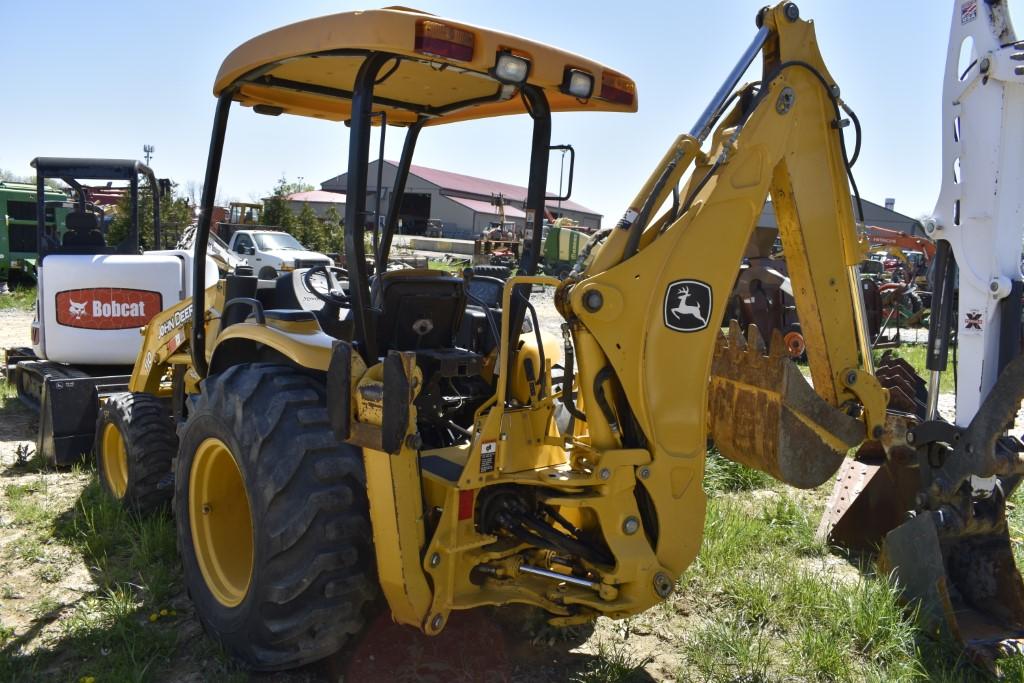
(441, 69)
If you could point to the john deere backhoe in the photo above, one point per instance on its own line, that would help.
(345, 437)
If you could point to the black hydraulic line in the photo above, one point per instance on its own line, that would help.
(941, 322)
(198, 341)
(540, 345)
(636, 230)
(568, 377)
(488, 313)
(603, 375)
(397, 192)
(355, 204)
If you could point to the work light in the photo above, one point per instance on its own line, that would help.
(511, 69)
(578, 83)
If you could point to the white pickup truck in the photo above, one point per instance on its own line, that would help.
(271, 252)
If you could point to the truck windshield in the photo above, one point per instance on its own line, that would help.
(277, 240)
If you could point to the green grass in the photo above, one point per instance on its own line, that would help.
(455, 266)
(111, 632)
(20, 298)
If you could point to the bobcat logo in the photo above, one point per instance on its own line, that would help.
(687, 305)
(76, 310)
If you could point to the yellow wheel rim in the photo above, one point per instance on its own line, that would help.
(115, 460)
(221, 522)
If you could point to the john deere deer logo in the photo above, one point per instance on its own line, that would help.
(687, 305)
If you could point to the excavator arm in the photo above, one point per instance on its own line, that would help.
(649, 304)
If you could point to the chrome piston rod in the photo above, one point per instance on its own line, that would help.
(703, 126)
(548, 574)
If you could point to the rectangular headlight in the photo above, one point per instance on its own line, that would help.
(511, 69)
(578, 84)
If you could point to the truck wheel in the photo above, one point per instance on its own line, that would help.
(272, 519)
(135, 444)
(268, 273)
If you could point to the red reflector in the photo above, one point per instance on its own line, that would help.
(616, 88)
(465, 504)
(435, 38)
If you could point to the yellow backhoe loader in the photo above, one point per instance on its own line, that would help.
(344, 437)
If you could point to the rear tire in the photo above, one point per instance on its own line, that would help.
(134, 447)
(294, 504)
(501, 272)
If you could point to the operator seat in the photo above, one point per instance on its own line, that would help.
(83, 231)
(417, 309)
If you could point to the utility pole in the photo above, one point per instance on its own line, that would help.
(148, 150)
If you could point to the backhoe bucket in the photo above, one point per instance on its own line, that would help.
(965, 585)
(948, 552)
(764, 414)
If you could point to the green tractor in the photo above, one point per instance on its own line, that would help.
(19, 250)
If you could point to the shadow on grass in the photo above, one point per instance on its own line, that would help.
(138, 624)
(127, 629)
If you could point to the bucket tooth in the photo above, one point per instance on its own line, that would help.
(755, 342)
(736, 342)
(763, 414)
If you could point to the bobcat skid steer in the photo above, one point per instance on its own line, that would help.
(93, 296)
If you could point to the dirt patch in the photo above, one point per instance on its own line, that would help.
(15, 328)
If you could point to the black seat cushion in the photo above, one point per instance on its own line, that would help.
(418, 309)
(83, 230)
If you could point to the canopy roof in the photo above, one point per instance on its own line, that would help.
(309, 69)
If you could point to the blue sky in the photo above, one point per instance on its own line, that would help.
(102, 79)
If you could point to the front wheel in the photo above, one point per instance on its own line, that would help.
(273, 521)
(268, 273)
(134, 447)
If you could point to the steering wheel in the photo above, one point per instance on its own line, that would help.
(334, 296)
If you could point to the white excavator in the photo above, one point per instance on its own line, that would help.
(932, 493)
(94, 293)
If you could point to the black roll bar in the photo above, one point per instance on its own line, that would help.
(536, 200)
(355, 203)
(72, 170)
(397, 192)
(198, 341)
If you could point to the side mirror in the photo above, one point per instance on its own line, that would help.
(250, 251)
(572, 164)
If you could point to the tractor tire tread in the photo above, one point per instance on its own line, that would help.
(147, 429)
(308, 485)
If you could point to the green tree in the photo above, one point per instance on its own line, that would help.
(308, 228)
(334, 233)
(276, 208)
(175, 215)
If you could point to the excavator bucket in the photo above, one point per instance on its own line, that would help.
(765, 415)
(872, 493)
(947, 549)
